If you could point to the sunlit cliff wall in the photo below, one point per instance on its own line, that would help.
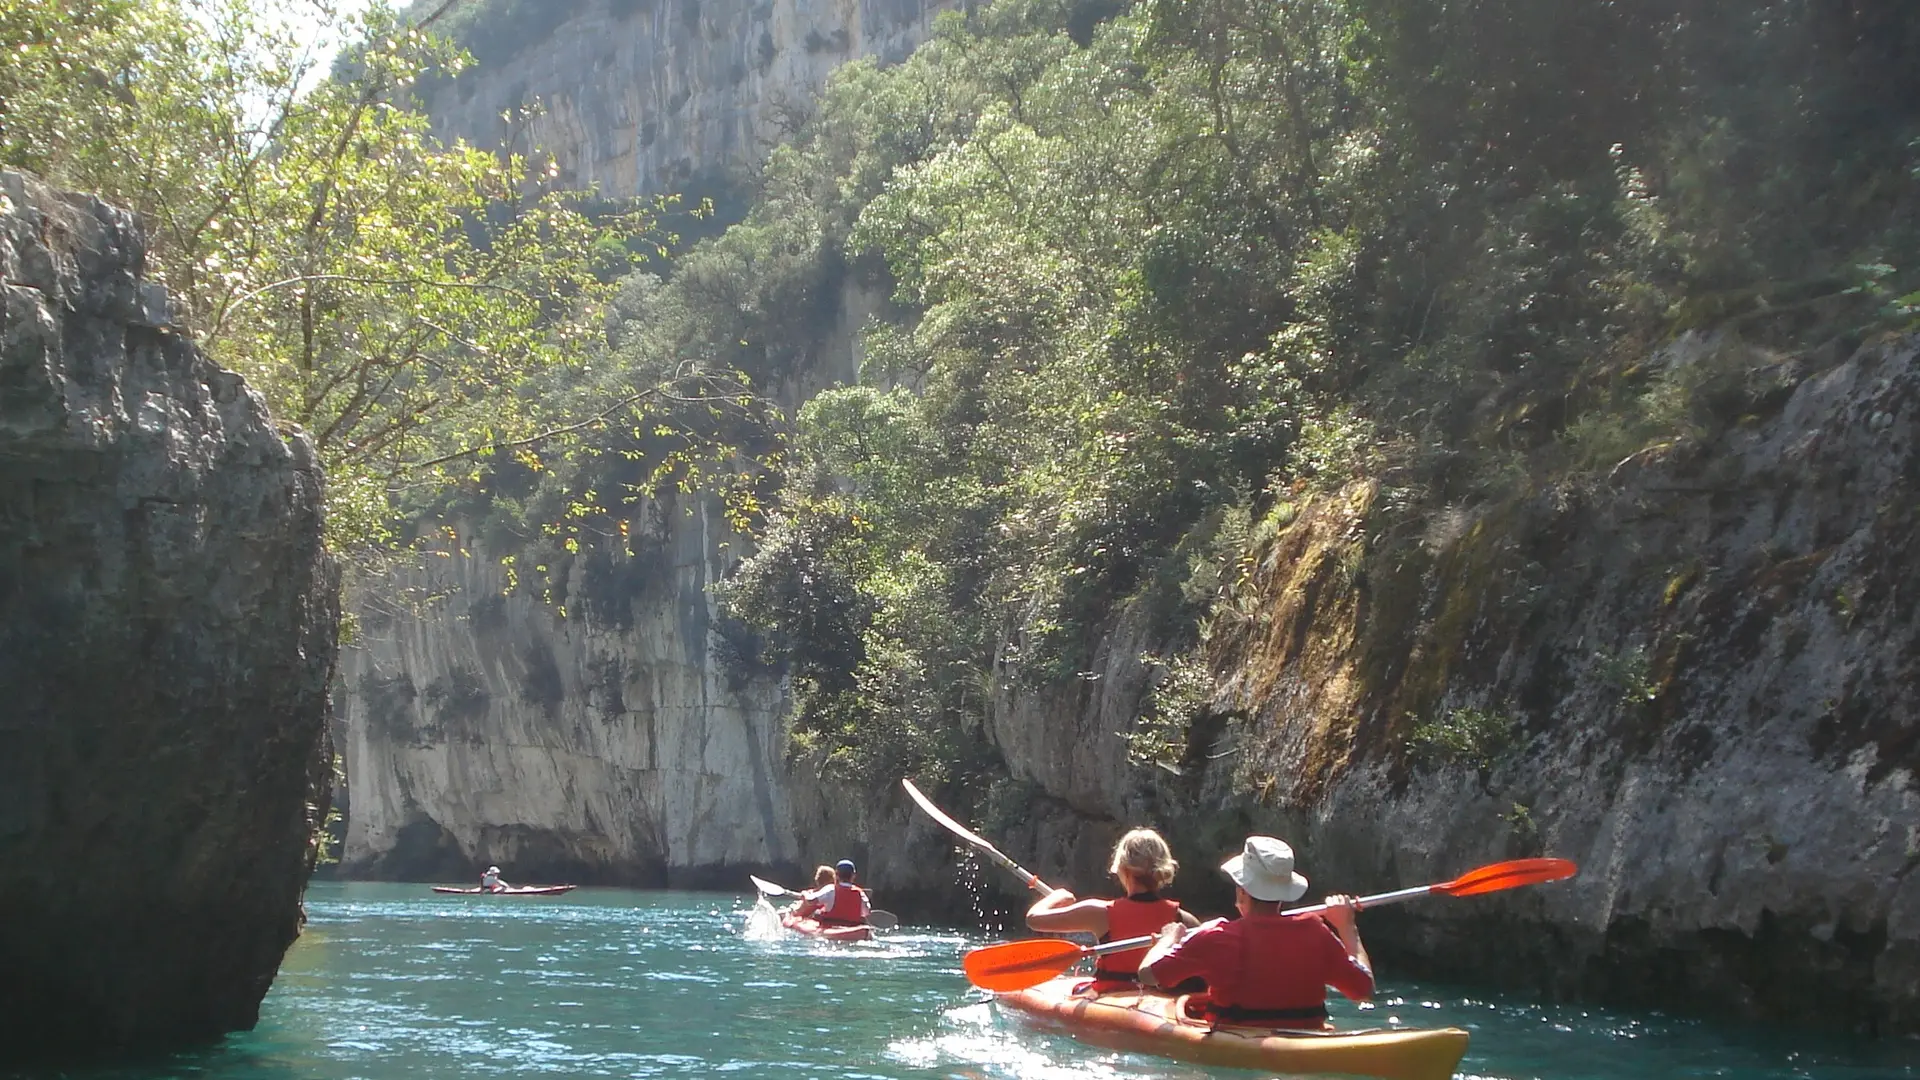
(640, 96)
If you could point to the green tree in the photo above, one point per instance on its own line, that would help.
(417, 307)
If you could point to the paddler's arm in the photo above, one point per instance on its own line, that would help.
(1341, 915)
(1059, 912)
(1189, 919)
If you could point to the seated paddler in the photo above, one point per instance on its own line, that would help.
(490, 881)
(823, 876)
(1144, 865)
(1265, 969)
(840, 902)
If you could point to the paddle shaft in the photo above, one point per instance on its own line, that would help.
(974, 840)
(1376, 900)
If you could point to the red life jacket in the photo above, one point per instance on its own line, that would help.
(843, 907)
(1143, 913)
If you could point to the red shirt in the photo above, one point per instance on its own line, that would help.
(1267, 962)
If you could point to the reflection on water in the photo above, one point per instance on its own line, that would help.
(391, 982)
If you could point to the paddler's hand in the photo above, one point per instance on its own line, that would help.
(1163, 943)
(1053, 901)
(1341, 913)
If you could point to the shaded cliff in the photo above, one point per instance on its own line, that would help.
(641, 96)
(167, 626)
(594, 733)
(1693, 674)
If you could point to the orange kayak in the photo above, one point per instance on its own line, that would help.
(1155, 1024)
(813, 928)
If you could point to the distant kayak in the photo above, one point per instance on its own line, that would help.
(523, 890)
(813, 928)
(1156, 1024)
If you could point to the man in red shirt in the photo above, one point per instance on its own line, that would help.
(1265, 969)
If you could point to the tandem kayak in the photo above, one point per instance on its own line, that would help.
(813, 928)
(1156, 1024)
(523, 890)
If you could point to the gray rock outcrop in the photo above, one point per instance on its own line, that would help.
(167, 629)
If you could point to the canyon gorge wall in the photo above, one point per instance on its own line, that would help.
(167, 635)
(483, 726)
(596, 734)
(1693, 675)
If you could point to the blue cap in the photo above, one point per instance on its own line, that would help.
(844, 866)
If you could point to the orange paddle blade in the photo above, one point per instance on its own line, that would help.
(1020, 964)
(1507, 875)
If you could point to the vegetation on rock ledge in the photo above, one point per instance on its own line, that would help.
(1198, 257)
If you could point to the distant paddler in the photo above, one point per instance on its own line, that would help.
(491, 882)
(823, 880)
(838, 902)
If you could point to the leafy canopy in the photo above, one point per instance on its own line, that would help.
(419, 308)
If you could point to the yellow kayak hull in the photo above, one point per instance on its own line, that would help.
(1155, 1024)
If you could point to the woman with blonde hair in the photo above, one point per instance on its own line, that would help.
(823, 879)
(1144, 865)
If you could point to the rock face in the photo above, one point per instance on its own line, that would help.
(614, 743)
(639, 96)
(598, 736)
(1695, 676)
(167, 628)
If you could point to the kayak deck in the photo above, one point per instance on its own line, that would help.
(526, 890)
(1155, 1024)
(813, 928)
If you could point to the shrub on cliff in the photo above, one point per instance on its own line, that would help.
(1213, 252)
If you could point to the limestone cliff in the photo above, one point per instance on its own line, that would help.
(615, 743)
(167, 627)
(1694, 675)
(640, 96)
(592, 735)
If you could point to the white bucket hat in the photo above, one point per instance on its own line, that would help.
(1265, 869)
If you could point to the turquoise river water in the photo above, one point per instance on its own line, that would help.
(391, 982)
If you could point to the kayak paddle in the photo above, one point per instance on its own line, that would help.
(1018, 965)
(973, 839)
(768, 888)
(876, 918)
(1494, 877)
